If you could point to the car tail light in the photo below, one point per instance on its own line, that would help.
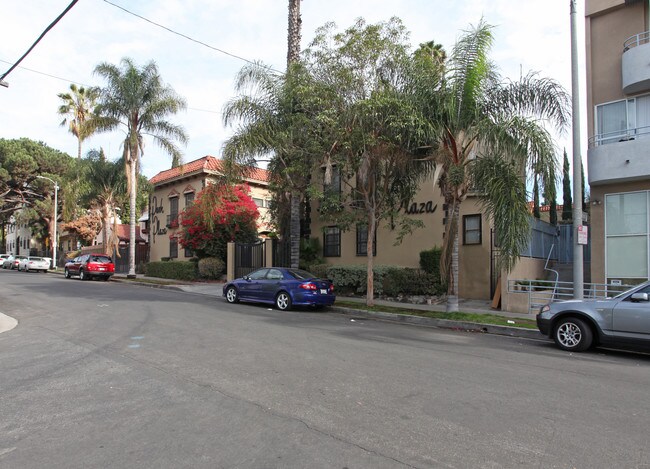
(308, 286)
(331, 288)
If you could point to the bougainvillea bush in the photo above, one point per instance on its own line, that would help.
(220, 214)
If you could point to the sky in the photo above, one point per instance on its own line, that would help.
(528, 35)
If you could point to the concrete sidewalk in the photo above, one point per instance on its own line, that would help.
(466, 306)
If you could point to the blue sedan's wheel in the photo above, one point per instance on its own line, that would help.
(231, 295)
(283, 301)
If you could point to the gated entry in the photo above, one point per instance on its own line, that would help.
(244, 258)
(249, 257)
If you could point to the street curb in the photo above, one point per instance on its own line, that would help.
(7, 323)
(145, 284)
(442, 323)
(397, 318)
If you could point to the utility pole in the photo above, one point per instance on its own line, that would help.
(578, 267)
(56, 216)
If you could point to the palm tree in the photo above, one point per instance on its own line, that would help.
(269, 125)
(107, 185)
(77, 108)
(293, 55)
(489, 136)
(137, 101)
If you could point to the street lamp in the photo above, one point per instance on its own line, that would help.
(56, 215)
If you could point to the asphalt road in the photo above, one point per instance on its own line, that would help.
(106, 374)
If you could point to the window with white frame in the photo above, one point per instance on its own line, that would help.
(472, 229)
(627, 236)
(623, 120)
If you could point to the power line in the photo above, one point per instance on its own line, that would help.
(52, 24)
(89, 86)
(49, 75)
(188, 37)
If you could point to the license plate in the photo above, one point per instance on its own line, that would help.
(323, 291)
(102, 268)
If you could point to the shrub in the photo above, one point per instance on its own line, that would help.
(181, 270)
(407, 281)
(319, 270)
(389, 280)
(211, 268)
(310, 253)
(430, 261)
(220, 214)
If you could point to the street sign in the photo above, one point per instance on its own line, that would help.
(583, 234)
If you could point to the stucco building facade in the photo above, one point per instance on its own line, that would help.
(476, 250)
(618, 120)
(176, 188)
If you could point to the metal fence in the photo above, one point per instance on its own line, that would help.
(553, 240)
(541, 292)
(249, 257)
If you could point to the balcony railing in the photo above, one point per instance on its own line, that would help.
(636, 40)
(619, 136)
(172, 220)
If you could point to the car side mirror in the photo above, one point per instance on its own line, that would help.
(639, 297)
(246, 277)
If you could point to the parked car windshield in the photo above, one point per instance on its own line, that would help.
(36, 258)
(300, 274)
(100, 259)
(626, 292)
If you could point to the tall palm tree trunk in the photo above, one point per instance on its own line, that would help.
(132, 199)
(293, 54)
(452, 287)
(294, 229)
(293, 36)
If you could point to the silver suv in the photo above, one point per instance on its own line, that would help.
(576, 325)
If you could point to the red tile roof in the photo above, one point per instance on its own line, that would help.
(123, 233)
(208, 164)
(543, 208)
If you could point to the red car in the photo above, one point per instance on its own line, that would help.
(89, 266)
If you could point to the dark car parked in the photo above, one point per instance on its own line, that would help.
(281, 286)
(90, 266)
(576, 325)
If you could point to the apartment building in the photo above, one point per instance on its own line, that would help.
(175, 189)
(618, 99)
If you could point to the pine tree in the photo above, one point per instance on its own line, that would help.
(567, 208)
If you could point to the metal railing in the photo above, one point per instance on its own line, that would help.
(172, 220)
(541, 292)
(618, 136)
(636, 40)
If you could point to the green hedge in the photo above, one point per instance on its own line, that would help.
(177, 270)
(430, 260)
(388, 280)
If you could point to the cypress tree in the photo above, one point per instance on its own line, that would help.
(536, 212)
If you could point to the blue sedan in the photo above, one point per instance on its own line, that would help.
(281, 286)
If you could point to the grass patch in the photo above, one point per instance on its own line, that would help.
(493, 319)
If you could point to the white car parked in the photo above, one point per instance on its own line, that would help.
(35, 263)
